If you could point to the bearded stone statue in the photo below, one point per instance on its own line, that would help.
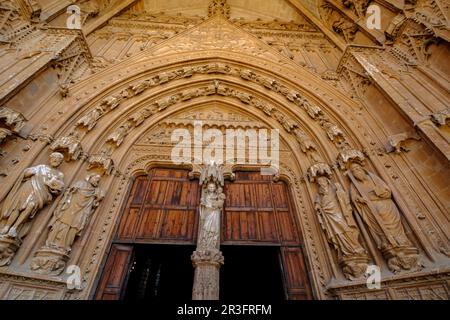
(69, 220)
(36, 187)
(335, 214)
(373, 201)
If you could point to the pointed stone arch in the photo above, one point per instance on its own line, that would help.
(119, 92)
(278, 98)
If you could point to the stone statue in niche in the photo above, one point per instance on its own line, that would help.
(373, 201)
(36, 187)
(69, 220)
(211, 205)
(207, 257)
(334, 210)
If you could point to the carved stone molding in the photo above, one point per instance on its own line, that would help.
(441, 118)
(14, 120)
(397, 143)
(13, 287)
(207, 257)
(413, 287)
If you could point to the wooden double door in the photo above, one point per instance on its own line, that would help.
(162, 209)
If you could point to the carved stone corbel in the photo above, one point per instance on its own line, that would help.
(441, 118)
(70, 146)
(4, 133)
(101, 163)
(394, 27)
(346, 157)
(397, 143)
(14, 120)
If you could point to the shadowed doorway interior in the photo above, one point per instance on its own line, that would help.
(165, 273)
(251, 273)
(160, 273)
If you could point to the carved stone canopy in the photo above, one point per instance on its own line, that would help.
(14, 120)
(211, 172)
(319, 170)
(345, 158)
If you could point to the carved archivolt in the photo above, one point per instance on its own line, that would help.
(87, 122)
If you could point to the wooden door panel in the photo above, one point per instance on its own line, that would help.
(227, 226)
(236, 196)
(114, 275)
(165, 210)
(235, 225)
(266, 211)
(247, 224)
(296, 278)
(178, 194)
(187, 227)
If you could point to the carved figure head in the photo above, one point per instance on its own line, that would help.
(358, 171)
(211, 187)
(94, 179)
(55, 185)
(56, 159)
(324, 184)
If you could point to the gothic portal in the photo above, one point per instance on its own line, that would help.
(135, 139)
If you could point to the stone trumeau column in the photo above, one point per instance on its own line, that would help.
(207, 258)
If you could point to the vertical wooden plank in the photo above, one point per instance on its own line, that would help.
(129, 220)
(148, 226)
(296, 276)
(115, 273)
(263, 196)
(267, 226)
(280, 195)
(288, 233)
(138, 190)
(128, 224)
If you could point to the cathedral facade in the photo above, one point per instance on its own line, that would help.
(113, 115)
